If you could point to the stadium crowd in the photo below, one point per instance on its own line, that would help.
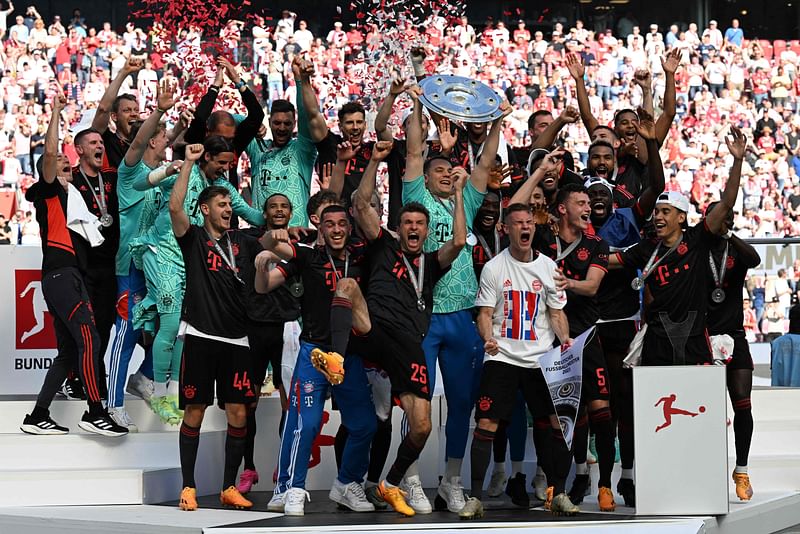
(413, 240)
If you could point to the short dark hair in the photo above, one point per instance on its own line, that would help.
(513, 208)
(117, 101)
(598, 144)
(273, 195)
(333, 208)
(351, 107)
(537, 113)
(624, 110)
(604, 127)
(319, 198)
(210, 192)
(414, 207)
(216, 144)
(428, 162)
(564, 192)
(138, 126)
(83, 133)
(281, 106)
(218, 118)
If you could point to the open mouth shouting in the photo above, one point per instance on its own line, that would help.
(601, 170)
(598, 208)
(525, 238)
(660, 227)
(413, 240)
(337, 240)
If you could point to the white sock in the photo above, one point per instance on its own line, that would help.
(539, 471)
(453, 468)
(172, 388)
(159, 389)
(742, 469)
(412, 471)
(516, 467)
(499, 467)
(581, 469)
(627, 473)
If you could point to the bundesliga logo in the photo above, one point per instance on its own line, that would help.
(34, 327)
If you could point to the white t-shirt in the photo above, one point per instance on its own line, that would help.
(520, 294)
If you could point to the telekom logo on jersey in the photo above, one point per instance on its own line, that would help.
(34, 326)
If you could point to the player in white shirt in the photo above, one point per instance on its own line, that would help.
(520, 303)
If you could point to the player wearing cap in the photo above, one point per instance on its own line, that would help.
(214, 329)
(618, 302)
(729, 260)
(583, 259)
(452, 338)
(520, 316)
(675, 270)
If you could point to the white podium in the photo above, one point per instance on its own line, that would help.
(680, 440)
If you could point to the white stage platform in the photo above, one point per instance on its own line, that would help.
(83, 483)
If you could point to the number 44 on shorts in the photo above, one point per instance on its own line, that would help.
(243, 383)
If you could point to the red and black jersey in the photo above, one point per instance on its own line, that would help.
(355, 167)
(115, 149)
(460, 155)
(582, 312)
(481, 256)
(727, 317)
(60, 246)
(103, 256)
(214, 301)
(319, 277)
(392, 299)
(679, 284)
(630, 181)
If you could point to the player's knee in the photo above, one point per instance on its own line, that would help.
(489, 425)
(236, 414)
(420, 430)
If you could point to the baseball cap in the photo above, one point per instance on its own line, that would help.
(654, 26)
(674, 199)
(710, 22)
(407, 114)
(596, 181)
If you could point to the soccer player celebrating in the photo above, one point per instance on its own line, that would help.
(214, 326)
(401, 286)
(729, 260)
(520, 315)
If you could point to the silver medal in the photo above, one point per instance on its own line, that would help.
(106, 220)
(421, 305)
(718, 295)
(471, 239)
(296, 289)
(637, 284)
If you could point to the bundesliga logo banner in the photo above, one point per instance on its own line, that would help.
(563, 372)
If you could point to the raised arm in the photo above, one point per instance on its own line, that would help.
(415, 163)
(303, 70)
(648, 131)
(177, 214)
(166, 99)
(50, 161)
(246, 130)
(737, 144)
(278, 241)
(184, 120)
(747, 252)
(670, 64)
(576, 70)
(385, 112)
(106, 104)
(366, 217)
(196, 132)
(344, 153)
(482, 170)
(450, 250)
(550, 162)
(548, 136)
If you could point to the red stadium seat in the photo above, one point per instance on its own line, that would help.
(766, 46)
(794, 44)
(778, 46)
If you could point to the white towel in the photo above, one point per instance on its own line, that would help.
(82, 221)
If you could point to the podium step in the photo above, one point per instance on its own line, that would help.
(75, 487)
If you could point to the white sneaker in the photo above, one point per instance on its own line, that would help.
(122, 418)
(540, 485)
(277, 502)
(296, 501)
(416, 499)
(497, 485)
(141, 386)
(453, 494)
(351, 496)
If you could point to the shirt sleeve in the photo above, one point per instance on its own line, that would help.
(487, 292)
(637, 255)
(472, 202)
(240, 207)
(554, 298)
(600, 256)
(414, 191)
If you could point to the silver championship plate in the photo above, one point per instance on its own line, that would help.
(460, 99)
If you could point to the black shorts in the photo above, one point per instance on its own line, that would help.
(615, 338)
(594, 383)
(741, 358)
(266, 347)
(658, 350)
(500, 382)
(400, 355)
(208, 361)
